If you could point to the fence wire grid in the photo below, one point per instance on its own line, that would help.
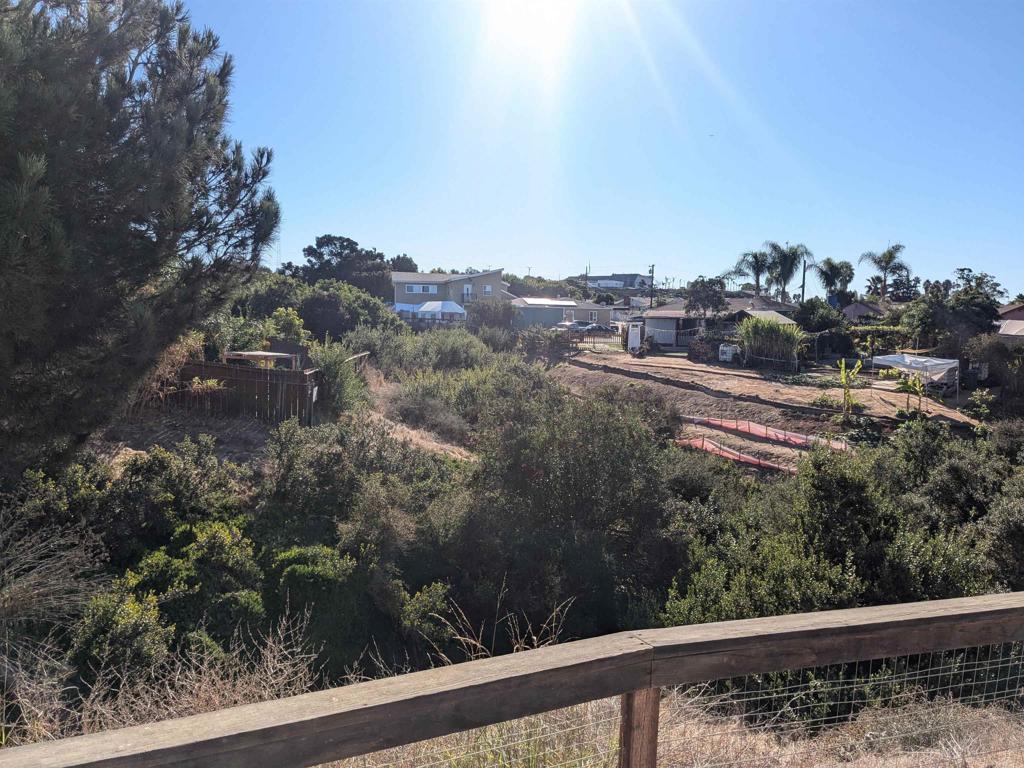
(962, 708)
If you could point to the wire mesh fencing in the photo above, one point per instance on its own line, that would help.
(962, 708)
(952, 708)
(584, 736)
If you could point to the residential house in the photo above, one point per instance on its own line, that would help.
(547, 312)
(589, 312)
(673, 326)
(442, 296)
(1013, 311)
(859, 311)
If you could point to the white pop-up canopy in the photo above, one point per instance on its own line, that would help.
(928, 368)
(438, 308)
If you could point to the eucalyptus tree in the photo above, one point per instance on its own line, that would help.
(887, 263)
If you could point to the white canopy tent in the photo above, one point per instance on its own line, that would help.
(437, 309)
(932, 370)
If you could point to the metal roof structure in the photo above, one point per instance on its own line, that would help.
(543, 301)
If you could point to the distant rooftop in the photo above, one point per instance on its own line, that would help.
(733, 304)
(437, 277)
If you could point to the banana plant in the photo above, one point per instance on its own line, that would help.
(847, 376)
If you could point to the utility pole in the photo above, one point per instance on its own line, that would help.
(803, 280)
(652, 286)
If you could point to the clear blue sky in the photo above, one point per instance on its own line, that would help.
(552, 135)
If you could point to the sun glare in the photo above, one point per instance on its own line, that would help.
(531, 36)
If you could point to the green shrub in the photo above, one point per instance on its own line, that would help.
(344, 387)
(497, 339)
(1007, 438)
(397, 354)
(120, 631)
(332, 308)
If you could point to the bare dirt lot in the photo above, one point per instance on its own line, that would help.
(726, 392)
(879, 399)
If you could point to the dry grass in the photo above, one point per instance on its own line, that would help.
(586, 736)
(39, 704)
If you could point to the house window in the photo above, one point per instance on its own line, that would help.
(568, 315)
(413, 288)
(487, 290)
(593, 316)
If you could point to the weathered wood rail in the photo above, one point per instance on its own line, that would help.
(357, 719)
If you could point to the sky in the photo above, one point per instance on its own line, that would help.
(554, 137)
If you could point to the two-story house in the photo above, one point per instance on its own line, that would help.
(441, 296)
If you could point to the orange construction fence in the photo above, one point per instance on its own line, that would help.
(710, 446)
(746, 427)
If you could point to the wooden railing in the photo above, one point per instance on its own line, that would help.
(357, 719)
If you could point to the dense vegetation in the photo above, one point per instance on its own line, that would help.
(116, 573)
(573, 499)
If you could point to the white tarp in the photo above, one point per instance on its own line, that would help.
(439, 307)
(928, 368)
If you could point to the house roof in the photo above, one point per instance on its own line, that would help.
(1011, 328)
(437, 277)
(770, 314)
(591, 305)
(1006, 309)
(861, 308)
(543, 301)
(733, 304)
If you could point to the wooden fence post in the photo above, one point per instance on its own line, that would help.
(638, 730)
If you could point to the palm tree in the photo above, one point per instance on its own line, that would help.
(834, 275)
(845, 275)
(887, 262)
(786, 261)
(755, 264)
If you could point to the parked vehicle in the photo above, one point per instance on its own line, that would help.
(598, 328)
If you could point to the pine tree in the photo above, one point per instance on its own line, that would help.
(126, 213)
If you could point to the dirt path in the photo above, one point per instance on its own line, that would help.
(422, 439)
(380, 390)
(239, 439)
(694, 402)
(697, 403)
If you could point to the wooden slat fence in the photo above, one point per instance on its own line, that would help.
(358, 719)
(268, 394)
